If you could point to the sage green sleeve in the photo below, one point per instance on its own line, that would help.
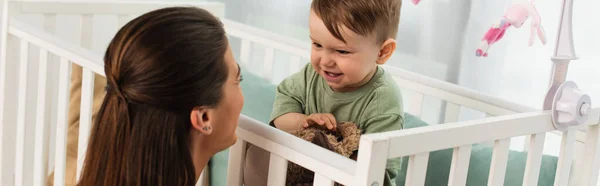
(290, 95)
(383, 123)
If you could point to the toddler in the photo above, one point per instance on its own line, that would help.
(344, 82)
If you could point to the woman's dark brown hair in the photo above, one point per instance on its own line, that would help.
(159, 67)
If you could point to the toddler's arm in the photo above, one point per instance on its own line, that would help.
(288, 111)
(289, 122)
(292, 121)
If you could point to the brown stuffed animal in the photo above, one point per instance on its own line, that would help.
(344, 140)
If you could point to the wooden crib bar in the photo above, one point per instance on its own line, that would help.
(277, 170)
(41, 129)
(499, 162)
(3, 76)
(565, 159)
(85, 116)
(21, 112)
(245, 50)
(415, 105)
(61, 128)
(237, 154)
(87, 90)
(534, 159)
(452, 112)
(459, 168)
(417, 169)
(591, 160)
(268, 63)
(371, 161)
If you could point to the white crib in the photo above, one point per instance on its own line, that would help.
(33, 109)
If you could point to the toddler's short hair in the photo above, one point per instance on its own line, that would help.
(378, 18)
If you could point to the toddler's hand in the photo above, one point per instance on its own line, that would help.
(320, 119)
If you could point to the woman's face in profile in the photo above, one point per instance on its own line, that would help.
(230, 107)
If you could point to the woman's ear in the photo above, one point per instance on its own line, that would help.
(201, 118)
(386, 50)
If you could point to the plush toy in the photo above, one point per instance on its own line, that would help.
(343, 141)
(515, 16)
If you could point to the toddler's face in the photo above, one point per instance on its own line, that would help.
(344, 66)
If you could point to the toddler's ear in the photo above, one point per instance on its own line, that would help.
(386, 50)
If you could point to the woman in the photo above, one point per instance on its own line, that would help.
(173, 100)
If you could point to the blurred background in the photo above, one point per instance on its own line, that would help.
(438, 38)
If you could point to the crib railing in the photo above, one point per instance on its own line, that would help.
(29, 38)
(452, 135)
(327, 165)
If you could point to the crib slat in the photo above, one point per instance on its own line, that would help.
(268, 63)
(416, 105)
(3, 44)
(322, 180)
(452, 111)
(87, 86)
(41, 135)
(565, 159)
(591, 163)
(294, 64)
(245, 52)
(61, 128)
(3, 56)
(237, 153)
(499, 161)
(21, 111)
(417, 169)
(372, 159)
(534, 159)
(277, 170)
(85, 116)
(460, 165)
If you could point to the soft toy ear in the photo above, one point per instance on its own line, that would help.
(321, 139)
(354, 155)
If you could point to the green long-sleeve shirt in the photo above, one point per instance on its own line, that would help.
(374, 107)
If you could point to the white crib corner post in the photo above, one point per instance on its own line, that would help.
(372, 160)
(591, 161)
(3, 48)
(237, 154)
